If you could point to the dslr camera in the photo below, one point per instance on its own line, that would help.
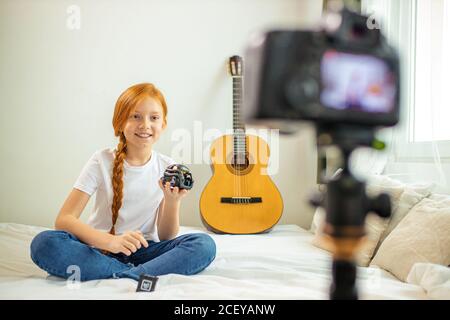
(344, 72)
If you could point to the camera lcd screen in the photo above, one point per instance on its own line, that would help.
(356, 82)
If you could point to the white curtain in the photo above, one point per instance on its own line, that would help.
(416, 147)
(384, 15)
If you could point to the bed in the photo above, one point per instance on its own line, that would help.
(282, 264)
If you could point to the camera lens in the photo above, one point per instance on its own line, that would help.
(358, 31)
(300, 90)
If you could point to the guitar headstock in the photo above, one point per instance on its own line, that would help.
(235, 66)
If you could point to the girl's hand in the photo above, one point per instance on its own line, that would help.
(127, 243)
(172, 195)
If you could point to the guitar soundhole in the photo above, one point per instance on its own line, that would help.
(240, 163)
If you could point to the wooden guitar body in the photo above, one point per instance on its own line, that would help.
(240, 197)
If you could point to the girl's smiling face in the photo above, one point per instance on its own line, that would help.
(145, 124)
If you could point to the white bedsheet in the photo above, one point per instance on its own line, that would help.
(282, 264)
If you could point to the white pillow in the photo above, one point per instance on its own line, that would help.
(422, 236)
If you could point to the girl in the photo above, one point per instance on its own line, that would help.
(133, 228)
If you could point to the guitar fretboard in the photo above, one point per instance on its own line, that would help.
(238, 127)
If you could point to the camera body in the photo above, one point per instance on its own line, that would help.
(345, 75)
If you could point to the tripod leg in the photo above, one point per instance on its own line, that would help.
(344, 278)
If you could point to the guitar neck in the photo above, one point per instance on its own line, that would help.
(238, 126)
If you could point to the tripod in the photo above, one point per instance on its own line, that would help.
(347, 204)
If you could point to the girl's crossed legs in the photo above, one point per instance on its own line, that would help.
(60, 253)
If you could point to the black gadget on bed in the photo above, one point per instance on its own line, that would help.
(146, 283)
(344, 78)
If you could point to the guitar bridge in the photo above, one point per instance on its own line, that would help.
(241, 200)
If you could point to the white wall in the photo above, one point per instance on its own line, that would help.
(58, 87)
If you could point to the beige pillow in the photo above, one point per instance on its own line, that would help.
(375, 225)
(375, 185)
(411, 196)
(422, 236)
(403, 198)
(374, 228)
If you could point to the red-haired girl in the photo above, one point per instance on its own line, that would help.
(133, 228)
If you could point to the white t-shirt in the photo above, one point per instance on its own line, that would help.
(141, 192)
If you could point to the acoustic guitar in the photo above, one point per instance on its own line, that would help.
(240, 198)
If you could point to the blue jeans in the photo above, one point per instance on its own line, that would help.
(61, 254)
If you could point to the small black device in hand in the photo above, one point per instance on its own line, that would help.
(178, 175)
(146, 283)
